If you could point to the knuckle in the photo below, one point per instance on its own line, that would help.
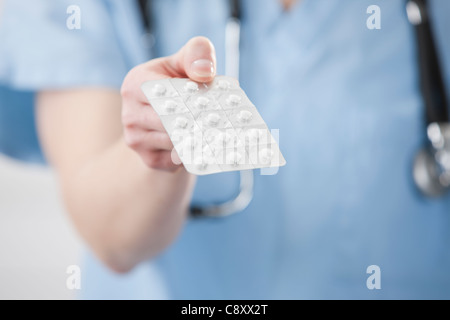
(128, 118)
(152, 160)
(132, 140)
(159, 160)
(163, 140)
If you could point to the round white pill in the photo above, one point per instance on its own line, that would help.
(234, 100)
(219, 141)
(159, 89)
(234, 158)
(244, 116)
(228, 139)
(202, 102)
(189, 142)
(254, 134)
(223, 85)
(191, 86)
(170, 106)
(210, 137)
(265, 155)
(181, 122)
(220, 138)
(210, 134)
(177, 136)
(213, 119)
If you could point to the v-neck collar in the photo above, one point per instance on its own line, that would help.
(292, 7)
(271, 13)
(281, 11)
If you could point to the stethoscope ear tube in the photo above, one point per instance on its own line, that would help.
(431, 80)
(235, 205)
(431, 167)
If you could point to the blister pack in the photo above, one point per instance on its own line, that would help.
(214, 127)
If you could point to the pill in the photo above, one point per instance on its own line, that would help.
(159, 89)
(245, 116)
(202, 102)
(189, 142)
(181, 122)
(234, 100)
(219, 141)
(233, 158)
(255, 135)
(266, 155)
(229, 140)
(223, 85)
(191, 87)
(210, 137)
(213, 119)
(170, 106)
(224, 137)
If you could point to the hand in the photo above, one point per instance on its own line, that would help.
(143, 130)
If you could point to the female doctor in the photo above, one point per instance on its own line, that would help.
(345, 99)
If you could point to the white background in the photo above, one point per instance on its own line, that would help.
(37, 239)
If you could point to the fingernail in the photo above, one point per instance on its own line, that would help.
(203, 68)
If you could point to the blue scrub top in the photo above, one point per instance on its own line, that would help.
(346, 101)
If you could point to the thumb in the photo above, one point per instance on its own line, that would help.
(198, 58)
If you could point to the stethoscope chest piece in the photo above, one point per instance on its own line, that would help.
(431, 168)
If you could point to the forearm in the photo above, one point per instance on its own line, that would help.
(128, 200)
(126, 211)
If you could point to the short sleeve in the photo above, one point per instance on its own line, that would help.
(39, 51)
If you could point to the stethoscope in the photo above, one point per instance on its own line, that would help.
(232, 55)
(431, 168)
